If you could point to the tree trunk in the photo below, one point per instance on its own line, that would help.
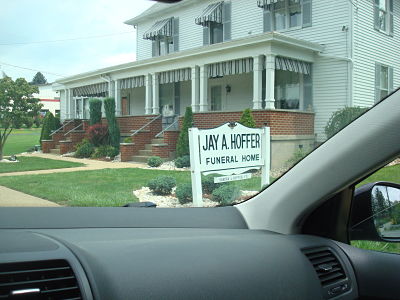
(1, 152)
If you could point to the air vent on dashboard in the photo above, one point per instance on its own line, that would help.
(49, 279)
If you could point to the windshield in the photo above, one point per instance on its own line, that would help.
(191, 104)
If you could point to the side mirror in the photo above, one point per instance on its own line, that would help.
(375, 213)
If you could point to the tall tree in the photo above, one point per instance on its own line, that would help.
(39, 79)
(16, 104)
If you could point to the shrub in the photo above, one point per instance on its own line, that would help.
(342, 118)
(48, 126)
(28, 122)
(98, 134)
(154, 161)
(105, 151)
(182, 147)
(247, 119)
(298, 155)
(208, 185)
(182, 162)
(37, 121)
(184, 193)
(113, 129)
(94, 111)
(17, 123)
(226, 194)
(128, 140)
(84, 149)
(162, 185)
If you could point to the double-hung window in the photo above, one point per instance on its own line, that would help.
(383, 16)
(383, 81)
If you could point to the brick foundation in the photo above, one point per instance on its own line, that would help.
(77, 136)
(47, 145)
(66, 147)
(127, 151)
(167, 150)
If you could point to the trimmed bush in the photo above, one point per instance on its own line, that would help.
(95, 111)
(342, 118)
(84, 149)
(98, 134)
(105, 151)
(113, 128)
(182, 162)
(154, 161)
(184, 193)
(48, 126)
(162, 185)
(247, 119)
(182, 147)
(226, 194)
(208, 185)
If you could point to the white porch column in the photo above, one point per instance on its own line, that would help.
(155, 93)
(257, 81)
(270, 81)
(148, 95)
(117, 96)
(195, 88)
(71, 104)
(203, 105)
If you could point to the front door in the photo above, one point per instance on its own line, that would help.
(216, 98)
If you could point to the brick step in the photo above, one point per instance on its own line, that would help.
(140, 158)
(57, 146)
(55, 151)
(145, 153)
(148, 147)
(157, 141)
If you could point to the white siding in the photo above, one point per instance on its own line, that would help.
(63, 105)
(370, 47)
(136, 97)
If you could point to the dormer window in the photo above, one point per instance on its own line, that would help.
(164, 35)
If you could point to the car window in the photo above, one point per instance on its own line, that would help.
(191, 104)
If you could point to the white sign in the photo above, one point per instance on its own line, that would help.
(229, 149)
(222, 179)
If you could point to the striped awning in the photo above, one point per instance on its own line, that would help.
(292, 65)
(93, 90)
(132, 82)
(230, 67)
(266, 4)
(175, 76)
(161, 28)
(212, 13)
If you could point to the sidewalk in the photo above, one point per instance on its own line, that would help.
(11, 198)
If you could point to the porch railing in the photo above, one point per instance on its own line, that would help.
(145, 125)
(61, 128)
(75, 128)
(167, 128)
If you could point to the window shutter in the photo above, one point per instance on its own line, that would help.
(206, 35)
(376, 14)
(307, 13)
(153, 48)
(377, 82)
(175, 37)
(390, 79)
(267, 20)
(391, 17)
(227, 20)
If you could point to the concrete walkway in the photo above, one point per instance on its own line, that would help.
(90, 164)
(11, 198)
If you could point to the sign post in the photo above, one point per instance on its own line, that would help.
(230, 149)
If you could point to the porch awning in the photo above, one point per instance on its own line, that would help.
(292, 65)
(212, 13)
(132, 82)
(266, 3)
(161, 28)
(175, 76)
(93, 90)
(230, 67)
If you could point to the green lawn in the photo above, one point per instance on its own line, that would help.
(108, 187)
(20, 140)
(36, 163)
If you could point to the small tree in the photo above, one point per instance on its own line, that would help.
(182, 147)
(341, 118)
(49, 124)
(95, 111)
(39, 79)
(16, 103)
(247, 119)
(113, 128)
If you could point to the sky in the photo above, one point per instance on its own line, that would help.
(26, 23)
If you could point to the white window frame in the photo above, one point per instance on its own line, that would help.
(287, 18)
(210, 32)
(163, 46)
(388, 17)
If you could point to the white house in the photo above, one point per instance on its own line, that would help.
(294, 62)
(49, 98)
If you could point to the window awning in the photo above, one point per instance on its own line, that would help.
(230, 67)
(161, 28)
(292, 65)
(212, 13)
(266, 3)
(175, 76)
(93, 90)
(132, 82)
